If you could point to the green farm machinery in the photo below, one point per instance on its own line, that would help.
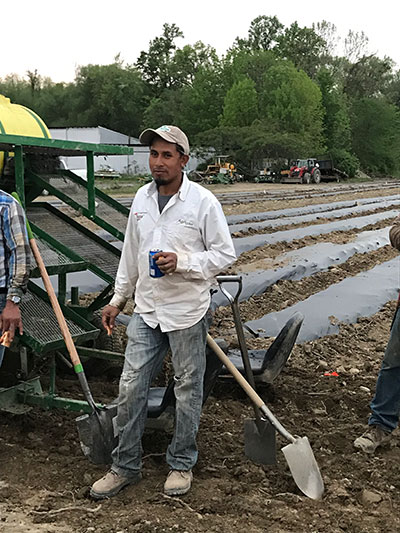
(73, 232)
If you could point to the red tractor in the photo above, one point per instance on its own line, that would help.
(303, 171)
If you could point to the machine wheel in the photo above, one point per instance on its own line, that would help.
(306, 178)
(316, 176)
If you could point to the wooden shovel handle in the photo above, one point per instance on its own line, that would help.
(255, 398)
(56, 305)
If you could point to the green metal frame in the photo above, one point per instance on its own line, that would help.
(8, 143)
(98, 192)
(91, 332)
(87, 212)
(78, 264)
(30, 392)
(93, 268)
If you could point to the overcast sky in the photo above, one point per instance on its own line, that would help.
(56, 37)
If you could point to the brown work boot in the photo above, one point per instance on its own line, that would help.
(178, 482)
(370, 440)
(110, 484)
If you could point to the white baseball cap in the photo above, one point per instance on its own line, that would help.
(171, 134)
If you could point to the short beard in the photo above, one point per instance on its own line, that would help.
(160, 181)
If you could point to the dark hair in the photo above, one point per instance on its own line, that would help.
(180, 149)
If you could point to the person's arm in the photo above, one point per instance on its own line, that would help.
(19, 252)
(19, 262)
(219, 250)
(127, 273)
(394, 234)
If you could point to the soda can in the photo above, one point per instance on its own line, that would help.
(154, 270)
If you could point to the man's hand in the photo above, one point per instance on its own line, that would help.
(110, 312)
(10, 319)
(166, 261)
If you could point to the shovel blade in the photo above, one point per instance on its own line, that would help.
(304, 468)
(259, 442)
(96, 434)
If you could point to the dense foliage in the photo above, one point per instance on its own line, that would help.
(281, 92)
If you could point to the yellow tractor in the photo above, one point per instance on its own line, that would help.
(221, 171)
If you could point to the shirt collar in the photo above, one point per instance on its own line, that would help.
(182, 192)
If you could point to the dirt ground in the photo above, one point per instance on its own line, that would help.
(45, 479)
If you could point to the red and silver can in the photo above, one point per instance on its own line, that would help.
(154, 269)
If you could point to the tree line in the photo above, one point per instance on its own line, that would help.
(278, 93)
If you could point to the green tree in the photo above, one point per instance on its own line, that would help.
(376, 135)
(56, 104)
(164, 109)
(187, 61)
(291, 102)
(110, 96)
(241, 64)
(369, 76)
(355, 46)
(328, 33)
(241, 104)
(156, 64)
(336, 123)
(263, 34)
(17, 89)
(304, 47)
(392, 91)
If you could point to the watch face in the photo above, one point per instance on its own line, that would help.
(15, 299)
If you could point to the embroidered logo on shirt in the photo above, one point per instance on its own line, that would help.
(186, 223)
(139, 215)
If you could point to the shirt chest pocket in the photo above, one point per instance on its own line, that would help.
(184, 236)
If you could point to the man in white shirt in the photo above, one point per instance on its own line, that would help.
(186, 222)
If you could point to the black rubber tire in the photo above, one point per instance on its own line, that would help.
(316, 176)
(306, 178)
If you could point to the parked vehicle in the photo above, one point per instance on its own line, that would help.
(311, 170)
(303, 171)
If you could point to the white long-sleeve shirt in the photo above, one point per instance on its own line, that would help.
(192, 225)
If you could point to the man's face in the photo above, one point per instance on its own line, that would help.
(166, 163)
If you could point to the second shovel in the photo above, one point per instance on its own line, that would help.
(259, 433)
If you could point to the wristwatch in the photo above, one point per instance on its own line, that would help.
(15, 300)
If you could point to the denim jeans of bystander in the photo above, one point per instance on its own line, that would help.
(385, 406)
(3, 299)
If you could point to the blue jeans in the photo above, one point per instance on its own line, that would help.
(3, 300)
(385, 406)
(144, 354)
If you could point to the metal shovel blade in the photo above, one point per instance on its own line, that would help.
(96, 434)
(303, 466)
(259, 441)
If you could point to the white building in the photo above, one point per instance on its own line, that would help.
(125, 164)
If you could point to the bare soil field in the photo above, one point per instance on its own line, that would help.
(45, 479)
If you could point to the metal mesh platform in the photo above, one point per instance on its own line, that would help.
(54, 260)
(41, 329)
(76, 240)
(79, 194)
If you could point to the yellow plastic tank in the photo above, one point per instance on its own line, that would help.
(16, 119)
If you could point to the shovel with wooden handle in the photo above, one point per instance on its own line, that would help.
(99, 423)
(298, 454)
